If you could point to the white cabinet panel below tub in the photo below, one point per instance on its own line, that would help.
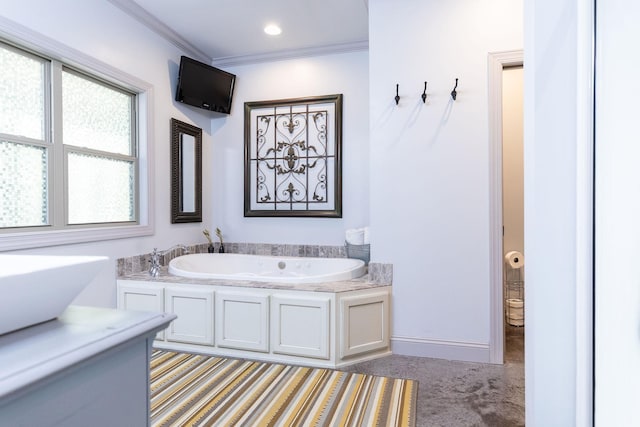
(141, 296)
(242, 321)
(194, 308)
(364, 323)
(301, 326)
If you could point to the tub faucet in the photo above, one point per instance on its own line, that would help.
(154, 268)
(185, 249)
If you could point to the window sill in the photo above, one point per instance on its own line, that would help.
(41, 239)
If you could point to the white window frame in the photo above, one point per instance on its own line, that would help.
(145, 226)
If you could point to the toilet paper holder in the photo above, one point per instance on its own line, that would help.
(515, 259)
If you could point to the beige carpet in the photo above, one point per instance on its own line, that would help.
(196, 390)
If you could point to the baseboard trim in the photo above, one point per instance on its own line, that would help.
(440, 349)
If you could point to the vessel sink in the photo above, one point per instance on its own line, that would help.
(37, 288)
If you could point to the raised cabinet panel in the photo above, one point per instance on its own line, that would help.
(194, 308)
(141, 297)
(364, 323)
(324, 329)
(300, 326)
(242, 321)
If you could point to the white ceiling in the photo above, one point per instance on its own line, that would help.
(228, 31)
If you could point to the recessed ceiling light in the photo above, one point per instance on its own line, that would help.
(272, 30)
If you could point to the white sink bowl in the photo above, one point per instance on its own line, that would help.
(37, 288)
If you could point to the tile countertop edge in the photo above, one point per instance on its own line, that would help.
(106, 329)
(337, 287)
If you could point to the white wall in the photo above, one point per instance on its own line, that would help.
(617, 293)
(558, 205)
(513, 159)
(104, 32)
(345, 73)
(429, 173)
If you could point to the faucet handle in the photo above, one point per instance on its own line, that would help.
(155, 256)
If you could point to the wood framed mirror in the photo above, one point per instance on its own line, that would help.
(186, 172)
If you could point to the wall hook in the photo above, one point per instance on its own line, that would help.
(424, 94)
(454, 94)
(397, 98)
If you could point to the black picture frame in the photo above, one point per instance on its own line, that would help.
(293, 157)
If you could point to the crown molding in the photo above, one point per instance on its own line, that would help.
(134, 10)
(291, 54)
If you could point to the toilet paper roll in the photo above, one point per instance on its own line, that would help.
(515, 259)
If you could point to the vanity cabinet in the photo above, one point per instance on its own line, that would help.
(87, 367)
(324, 329)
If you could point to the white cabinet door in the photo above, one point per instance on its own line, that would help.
(364, 323)
(242, 321)
(194, 308)
(300, 326)
(141, 296)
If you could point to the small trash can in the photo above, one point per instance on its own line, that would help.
(359, 252)
(515, 312)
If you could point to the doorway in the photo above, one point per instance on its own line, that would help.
(499, 64)
(513, 211)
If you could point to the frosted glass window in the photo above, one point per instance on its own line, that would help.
(23, 185)
(95, 115)
(100, 189)
(68, 149)
(22, 94)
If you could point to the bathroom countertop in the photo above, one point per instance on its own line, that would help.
(334, 287)
(32, 354)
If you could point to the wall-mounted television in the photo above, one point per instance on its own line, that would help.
(204, 86)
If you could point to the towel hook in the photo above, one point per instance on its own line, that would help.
(424, 94)
(454, 94)
(397, 98)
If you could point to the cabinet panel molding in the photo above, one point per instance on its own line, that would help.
(301, 326)
(194, 308)
(242, 321)
(142, 296)
(364, 324)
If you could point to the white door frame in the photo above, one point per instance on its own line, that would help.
(497, 62)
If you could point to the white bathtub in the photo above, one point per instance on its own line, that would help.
(261, 268)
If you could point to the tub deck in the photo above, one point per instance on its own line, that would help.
(360, 283)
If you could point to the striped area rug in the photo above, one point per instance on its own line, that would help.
(196, 390)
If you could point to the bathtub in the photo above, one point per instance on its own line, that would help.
(262, 268)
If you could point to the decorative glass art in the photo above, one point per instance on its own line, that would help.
(293, 164)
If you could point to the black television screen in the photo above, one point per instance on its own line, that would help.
(204, 86)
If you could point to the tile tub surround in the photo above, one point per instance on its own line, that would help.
(136, 267)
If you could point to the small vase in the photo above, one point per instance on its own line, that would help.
(210, 249)
(221, 248)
